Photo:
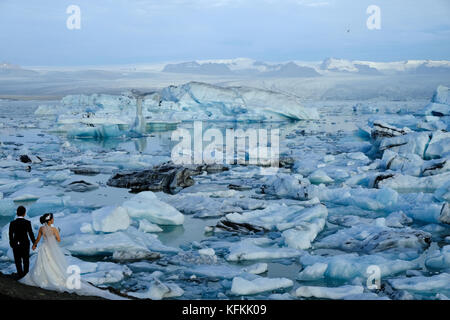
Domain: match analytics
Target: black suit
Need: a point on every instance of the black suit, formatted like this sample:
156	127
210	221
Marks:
19	231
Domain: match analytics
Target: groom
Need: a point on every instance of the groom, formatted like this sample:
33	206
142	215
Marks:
19	231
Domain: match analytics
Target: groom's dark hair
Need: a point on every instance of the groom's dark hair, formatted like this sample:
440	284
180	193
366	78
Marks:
21	211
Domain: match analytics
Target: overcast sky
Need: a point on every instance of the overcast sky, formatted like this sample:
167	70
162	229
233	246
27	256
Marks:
34	32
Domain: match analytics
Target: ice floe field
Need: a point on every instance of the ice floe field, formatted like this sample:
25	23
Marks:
363	187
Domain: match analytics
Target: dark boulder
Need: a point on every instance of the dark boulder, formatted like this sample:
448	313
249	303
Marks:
166	177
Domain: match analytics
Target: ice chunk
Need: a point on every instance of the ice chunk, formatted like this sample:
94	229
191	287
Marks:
440	103
107	273
351	266
241	286
440	259
414	143
7	207
48	204
106	244
146	205
405	183
279	216
110	219
421	283
439	145
34	193
444	216
303	234
313	272
97	132
207	252
328	292
288	186
375	238
257	268
146	226
319	176
251	249
159	291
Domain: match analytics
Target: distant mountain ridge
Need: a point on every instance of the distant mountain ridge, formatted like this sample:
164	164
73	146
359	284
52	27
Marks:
242	67
249	67
14	70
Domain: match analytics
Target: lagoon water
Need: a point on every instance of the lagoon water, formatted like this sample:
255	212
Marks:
336	133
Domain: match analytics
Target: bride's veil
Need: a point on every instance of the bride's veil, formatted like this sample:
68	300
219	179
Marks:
59	260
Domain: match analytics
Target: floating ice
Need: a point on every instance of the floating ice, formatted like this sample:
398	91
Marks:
404	183
159	290
440	259
257	268
146	226
439	145
350	266
191	101
319	176
375	238
440	103
241	286
146	205
421	283
110	219
251	249
328	292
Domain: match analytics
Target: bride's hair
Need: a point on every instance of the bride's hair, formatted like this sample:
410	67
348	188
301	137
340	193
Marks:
46	218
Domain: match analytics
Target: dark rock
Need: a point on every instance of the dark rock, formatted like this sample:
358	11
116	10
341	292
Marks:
437	113
239	227
10	289
238	187
25	159
215	168
81	186
165	177
286	162
85	171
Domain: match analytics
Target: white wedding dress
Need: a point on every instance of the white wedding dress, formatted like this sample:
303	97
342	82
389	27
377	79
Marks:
50	270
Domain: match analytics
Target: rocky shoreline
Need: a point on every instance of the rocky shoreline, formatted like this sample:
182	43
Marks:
10	289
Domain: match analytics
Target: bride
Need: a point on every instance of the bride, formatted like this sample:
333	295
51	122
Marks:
50	270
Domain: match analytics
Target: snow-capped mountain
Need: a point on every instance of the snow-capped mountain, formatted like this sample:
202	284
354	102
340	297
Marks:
370	67
249	67
242	66
14	70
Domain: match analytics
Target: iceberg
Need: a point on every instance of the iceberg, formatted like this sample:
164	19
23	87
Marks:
191	101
